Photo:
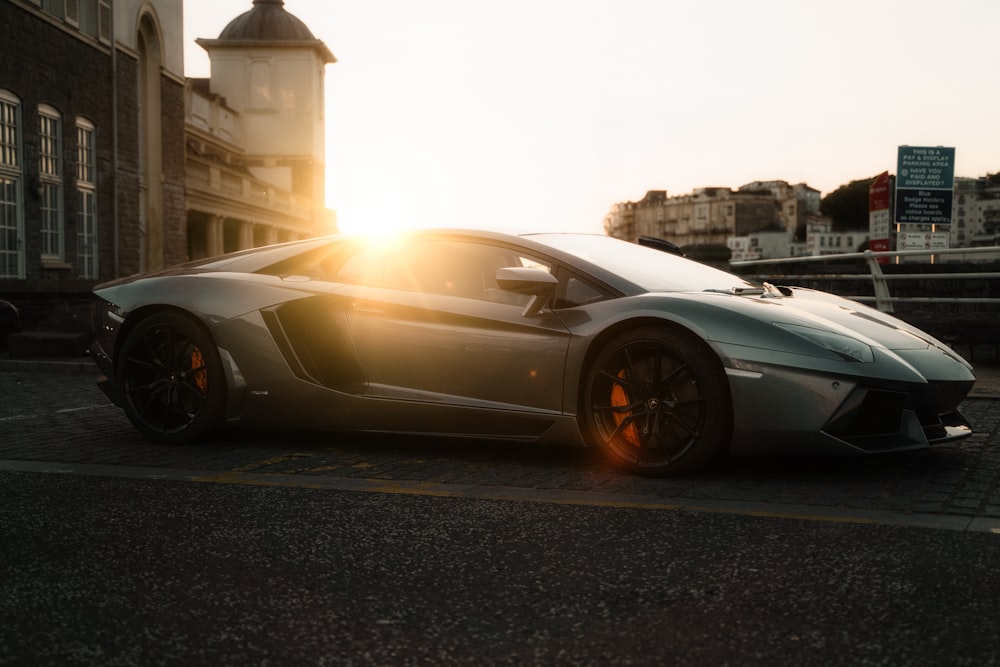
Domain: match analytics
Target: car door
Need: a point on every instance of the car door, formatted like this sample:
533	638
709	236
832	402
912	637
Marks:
430	324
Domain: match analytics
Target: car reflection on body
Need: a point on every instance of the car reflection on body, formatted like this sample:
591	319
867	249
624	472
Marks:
663	364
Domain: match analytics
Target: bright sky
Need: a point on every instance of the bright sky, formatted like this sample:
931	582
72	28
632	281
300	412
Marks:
542	114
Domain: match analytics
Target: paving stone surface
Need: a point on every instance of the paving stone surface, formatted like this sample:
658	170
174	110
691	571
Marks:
57	414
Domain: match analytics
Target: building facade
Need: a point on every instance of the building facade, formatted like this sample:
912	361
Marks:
710	216
975	213
820	239
256	157
113	163
91	141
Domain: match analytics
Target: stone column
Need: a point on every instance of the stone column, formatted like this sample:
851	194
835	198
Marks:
246	235
214	236
271	235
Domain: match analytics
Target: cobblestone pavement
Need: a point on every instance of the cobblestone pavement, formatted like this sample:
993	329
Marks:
49	416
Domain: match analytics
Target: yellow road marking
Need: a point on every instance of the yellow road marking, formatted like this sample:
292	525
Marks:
763	510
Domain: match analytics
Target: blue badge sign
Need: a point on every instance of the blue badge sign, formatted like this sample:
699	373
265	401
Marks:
925	181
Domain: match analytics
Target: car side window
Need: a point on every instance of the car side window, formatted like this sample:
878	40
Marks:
434	267
575	290
455	268
363	267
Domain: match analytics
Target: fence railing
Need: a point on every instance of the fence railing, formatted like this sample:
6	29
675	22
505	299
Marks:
883	297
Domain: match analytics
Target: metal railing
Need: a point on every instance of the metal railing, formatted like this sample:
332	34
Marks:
882	298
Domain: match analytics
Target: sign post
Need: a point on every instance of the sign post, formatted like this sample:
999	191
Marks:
925	187
878	215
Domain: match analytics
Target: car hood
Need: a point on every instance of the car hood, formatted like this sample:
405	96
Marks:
853	318
757	320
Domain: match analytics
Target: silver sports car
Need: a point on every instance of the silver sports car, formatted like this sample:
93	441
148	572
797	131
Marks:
663	364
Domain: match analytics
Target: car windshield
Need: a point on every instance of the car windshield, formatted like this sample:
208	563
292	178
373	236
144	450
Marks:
653	270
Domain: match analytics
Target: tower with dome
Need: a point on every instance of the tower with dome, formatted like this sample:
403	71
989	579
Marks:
256	165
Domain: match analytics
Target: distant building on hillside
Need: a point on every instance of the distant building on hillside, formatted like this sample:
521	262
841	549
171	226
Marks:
822	240
713	215
760	245
975	213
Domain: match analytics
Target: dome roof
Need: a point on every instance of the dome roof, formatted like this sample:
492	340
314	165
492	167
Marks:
267	21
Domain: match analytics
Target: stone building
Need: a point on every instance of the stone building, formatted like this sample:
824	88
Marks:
113	163
255	135
91	142
709	216
975	213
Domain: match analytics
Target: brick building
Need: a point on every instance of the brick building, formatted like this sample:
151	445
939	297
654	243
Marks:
91	142
113	163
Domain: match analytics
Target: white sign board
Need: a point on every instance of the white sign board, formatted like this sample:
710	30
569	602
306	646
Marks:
909	239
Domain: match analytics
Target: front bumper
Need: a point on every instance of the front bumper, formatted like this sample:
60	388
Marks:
781	410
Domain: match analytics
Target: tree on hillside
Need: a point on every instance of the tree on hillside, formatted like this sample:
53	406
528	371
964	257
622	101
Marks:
847	206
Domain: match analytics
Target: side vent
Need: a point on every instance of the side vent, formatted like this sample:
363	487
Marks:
314	338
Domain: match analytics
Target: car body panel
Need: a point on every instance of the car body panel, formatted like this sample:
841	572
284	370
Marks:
425	350
303	347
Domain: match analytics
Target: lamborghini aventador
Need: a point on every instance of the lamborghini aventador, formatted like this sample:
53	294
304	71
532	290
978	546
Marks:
663	364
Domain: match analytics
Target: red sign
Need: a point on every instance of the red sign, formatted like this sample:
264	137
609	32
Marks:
878	193
878	215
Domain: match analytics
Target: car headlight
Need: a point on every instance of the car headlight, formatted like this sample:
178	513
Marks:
850	349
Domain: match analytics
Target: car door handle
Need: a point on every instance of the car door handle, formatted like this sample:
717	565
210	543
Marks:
362	307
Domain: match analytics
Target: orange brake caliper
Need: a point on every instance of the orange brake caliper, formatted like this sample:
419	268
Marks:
201	377
619	399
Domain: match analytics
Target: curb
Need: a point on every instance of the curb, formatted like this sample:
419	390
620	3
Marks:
65	366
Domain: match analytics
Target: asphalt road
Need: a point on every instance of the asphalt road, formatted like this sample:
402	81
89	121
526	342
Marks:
98	570
300	548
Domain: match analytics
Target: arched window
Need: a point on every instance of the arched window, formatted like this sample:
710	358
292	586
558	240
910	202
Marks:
86	199
11	187
50	182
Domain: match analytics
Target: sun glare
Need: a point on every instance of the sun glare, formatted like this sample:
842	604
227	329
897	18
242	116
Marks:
376	215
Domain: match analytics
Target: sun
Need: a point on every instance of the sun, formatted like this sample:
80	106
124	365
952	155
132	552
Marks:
384	214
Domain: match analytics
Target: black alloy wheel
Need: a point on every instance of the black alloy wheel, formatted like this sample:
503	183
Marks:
657	402
171	376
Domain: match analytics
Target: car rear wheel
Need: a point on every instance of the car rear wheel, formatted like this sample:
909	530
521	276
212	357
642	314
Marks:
171	376
657	402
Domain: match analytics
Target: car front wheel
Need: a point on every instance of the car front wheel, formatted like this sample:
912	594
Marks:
171	377
657	402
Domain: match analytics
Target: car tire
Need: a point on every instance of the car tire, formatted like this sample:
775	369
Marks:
170	374
657	402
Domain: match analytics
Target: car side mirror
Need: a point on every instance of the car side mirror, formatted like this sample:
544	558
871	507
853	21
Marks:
540	284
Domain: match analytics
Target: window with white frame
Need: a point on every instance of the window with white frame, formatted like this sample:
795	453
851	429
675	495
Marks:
55	7
73	12
93	15
11	179
86	199
50	181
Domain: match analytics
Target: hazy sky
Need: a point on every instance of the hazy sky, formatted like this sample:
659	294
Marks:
541	114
